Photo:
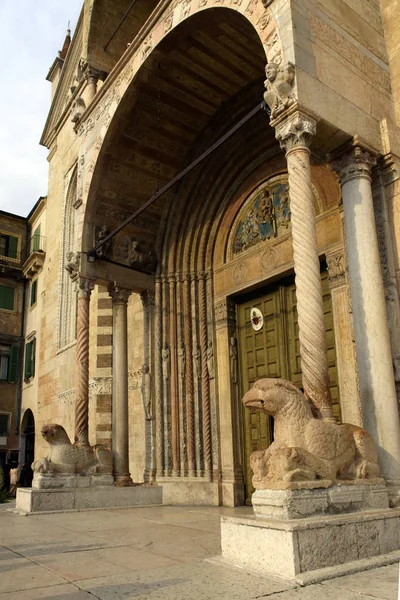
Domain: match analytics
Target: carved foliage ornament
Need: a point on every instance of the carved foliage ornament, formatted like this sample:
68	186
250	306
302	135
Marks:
296	132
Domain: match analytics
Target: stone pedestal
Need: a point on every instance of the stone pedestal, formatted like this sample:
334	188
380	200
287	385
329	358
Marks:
52	482
84	498
311	535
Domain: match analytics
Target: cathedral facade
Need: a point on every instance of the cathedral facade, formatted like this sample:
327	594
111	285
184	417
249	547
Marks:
223	206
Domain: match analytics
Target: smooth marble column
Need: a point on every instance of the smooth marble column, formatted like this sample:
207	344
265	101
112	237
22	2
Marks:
120	416
295	133
373	350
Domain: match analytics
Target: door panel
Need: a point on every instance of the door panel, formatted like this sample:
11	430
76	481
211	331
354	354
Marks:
274	351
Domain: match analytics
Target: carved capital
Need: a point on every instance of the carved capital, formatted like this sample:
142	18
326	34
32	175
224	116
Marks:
85	287
336	268
92	75
118	294
225	312
353	163
389	170
296	131
148	299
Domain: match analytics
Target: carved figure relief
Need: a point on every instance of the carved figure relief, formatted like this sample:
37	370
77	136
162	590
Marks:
267	214
233	359
100	233
142	257
197	361
146	391
182	360
73	263
279	93
210	360
305	449
166	361
77	109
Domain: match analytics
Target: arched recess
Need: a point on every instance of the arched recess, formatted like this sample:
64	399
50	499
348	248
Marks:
66	332
27	444
196	84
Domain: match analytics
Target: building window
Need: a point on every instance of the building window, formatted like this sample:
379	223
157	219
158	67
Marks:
8	245
33	292
6	297
9	356
30	351
4	424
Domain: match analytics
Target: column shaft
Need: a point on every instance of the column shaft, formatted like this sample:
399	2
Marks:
373	350
82	363
294	135
120	416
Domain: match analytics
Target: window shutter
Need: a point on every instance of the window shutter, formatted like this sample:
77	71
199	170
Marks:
12	246
33	357
27	367
33	292
36	239
13	365
6	297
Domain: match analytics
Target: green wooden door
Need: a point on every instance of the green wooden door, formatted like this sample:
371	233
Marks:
274	351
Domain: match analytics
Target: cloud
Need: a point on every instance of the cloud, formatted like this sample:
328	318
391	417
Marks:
31	33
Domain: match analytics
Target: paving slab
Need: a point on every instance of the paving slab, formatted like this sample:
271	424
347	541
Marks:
381	583
59	592
18	574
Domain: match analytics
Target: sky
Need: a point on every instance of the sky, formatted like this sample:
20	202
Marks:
31	34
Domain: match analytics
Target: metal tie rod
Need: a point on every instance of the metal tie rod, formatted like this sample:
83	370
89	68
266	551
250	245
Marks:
120	23
197	161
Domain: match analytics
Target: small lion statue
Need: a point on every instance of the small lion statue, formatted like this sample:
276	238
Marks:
66	458
306	449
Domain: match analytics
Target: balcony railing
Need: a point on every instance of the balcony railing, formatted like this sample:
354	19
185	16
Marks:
33	255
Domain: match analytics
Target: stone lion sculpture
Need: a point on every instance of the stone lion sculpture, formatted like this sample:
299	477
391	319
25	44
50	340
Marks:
306	449
65	458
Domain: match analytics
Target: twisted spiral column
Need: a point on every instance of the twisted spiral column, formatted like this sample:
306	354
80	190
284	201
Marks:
85	287
205	376
295	135
189	383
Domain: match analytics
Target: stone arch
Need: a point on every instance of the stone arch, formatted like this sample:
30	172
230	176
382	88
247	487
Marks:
66	332
96	128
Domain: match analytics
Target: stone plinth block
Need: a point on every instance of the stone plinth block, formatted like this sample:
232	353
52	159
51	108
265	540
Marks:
50	482
302	550
83	498
337	499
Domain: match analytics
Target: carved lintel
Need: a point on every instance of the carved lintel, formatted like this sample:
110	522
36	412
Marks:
85	286
119	295
353	162
296	131
336	268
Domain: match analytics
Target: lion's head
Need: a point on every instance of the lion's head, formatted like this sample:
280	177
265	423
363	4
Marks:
270	395
55	434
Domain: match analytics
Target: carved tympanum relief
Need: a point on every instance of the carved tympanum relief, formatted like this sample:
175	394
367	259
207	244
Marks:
265	214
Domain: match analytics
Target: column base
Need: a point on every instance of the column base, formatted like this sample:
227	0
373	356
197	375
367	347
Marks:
124	480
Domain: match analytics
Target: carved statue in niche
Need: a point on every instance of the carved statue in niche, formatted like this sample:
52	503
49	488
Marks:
306	450
146	391
210	360
182	360
197	361
166	361
233	356
142	259
73	264
279	93
100	233
268	211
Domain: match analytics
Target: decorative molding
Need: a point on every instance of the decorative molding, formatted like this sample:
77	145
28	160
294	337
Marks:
67	397
119	215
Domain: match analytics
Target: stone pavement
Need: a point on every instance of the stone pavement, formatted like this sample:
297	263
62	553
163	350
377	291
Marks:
146	553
